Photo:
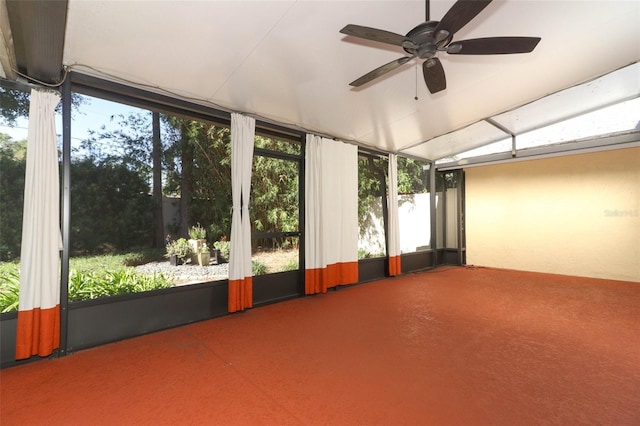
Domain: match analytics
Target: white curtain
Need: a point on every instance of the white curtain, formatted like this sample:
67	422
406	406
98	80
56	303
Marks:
331	214
394	228
38	329
240	275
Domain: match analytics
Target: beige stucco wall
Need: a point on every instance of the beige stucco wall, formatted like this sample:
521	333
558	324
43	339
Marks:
574	215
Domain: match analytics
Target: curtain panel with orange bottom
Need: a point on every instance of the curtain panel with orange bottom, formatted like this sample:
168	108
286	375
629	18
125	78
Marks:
395	266
240	275
331	214
38	326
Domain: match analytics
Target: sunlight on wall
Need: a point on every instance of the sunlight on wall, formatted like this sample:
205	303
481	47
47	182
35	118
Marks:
574	215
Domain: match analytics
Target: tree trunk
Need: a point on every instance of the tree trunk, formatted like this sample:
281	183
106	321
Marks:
186	181
158	219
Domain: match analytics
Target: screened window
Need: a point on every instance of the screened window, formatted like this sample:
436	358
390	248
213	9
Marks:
372	204
150	200
414	205
14	122
275	205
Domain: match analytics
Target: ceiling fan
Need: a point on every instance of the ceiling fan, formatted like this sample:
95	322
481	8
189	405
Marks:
431	37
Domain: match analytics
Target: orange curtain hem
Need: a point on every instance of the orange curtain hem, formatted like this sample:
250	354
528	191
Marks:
38	332
240	294
319	280
395	265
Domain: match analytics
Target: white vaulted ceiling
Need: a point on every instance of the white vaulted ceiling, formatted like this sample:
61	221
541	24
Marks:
287	62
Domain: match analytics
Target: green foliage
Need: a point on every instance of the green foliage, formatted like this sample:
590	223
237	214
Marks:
412	176
258	268
278	145
363	254
93	285
130	146
180	248
197	232
110	208
15	104
209	176
85	282
224	246
274	197
9	286
292	265
12	171
143	256
372	175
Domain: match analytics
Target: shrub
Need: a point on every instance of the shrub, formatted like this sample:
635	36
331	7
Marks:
84	282
292	265
9	289
180	248
91	285
258	268
224	247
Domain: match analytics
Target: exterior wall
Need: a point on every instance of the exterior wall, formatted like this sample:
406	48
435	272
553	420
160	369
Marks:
574	215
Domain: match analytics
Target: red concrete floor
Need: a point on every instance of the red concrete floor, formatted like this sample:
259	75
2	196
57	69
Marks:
452	346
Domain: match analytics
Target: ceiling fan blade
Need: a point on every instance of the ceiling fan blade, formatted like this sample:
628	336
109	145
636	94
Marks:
493	45
374	34
458	16
380	71
434	75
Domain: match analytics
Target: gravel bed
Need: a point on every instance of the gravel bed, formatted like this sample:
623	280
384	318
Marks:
186	274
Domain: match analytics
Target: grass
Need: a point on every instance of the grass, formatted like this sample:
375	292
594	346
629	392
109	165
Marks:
91	277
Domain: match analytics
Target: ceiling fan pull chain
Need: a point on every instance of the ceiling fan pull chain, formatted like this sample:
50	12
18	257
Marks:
416	97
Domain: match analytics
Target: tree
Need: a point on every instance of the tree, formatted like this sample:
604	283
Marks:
198	166
12	171
274	194
158	217
14	104
111	209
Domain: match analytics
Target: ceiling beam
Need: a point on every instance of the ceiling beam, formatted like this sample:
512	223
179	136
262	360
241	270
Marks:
38	29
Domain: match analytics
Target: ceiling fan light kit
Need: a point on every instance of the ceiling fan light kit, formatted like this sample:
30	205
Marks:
430	37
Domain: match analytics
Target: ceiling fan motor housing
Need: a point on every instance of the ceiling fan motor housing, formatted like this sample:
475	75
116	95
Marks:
423	43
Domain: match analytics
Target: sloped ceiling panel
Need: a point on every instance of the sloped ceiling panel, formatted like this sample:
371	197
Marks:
473	136
285	61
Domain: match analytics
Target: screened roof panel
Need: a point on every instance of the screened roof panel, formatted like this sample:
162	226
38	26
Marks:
610	89
619	118
552	119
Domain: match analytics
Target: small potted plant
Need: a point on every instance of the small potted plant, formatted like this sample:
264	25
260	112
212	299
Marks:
197	237
223	249
178	251
204	255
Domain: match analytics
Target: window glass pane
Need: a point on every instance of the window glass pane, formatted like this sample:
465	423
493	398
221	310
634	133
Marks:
14	119
372	176
266	259
274	195
197	201
414	205
288	146
451	181
274	211
135	198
